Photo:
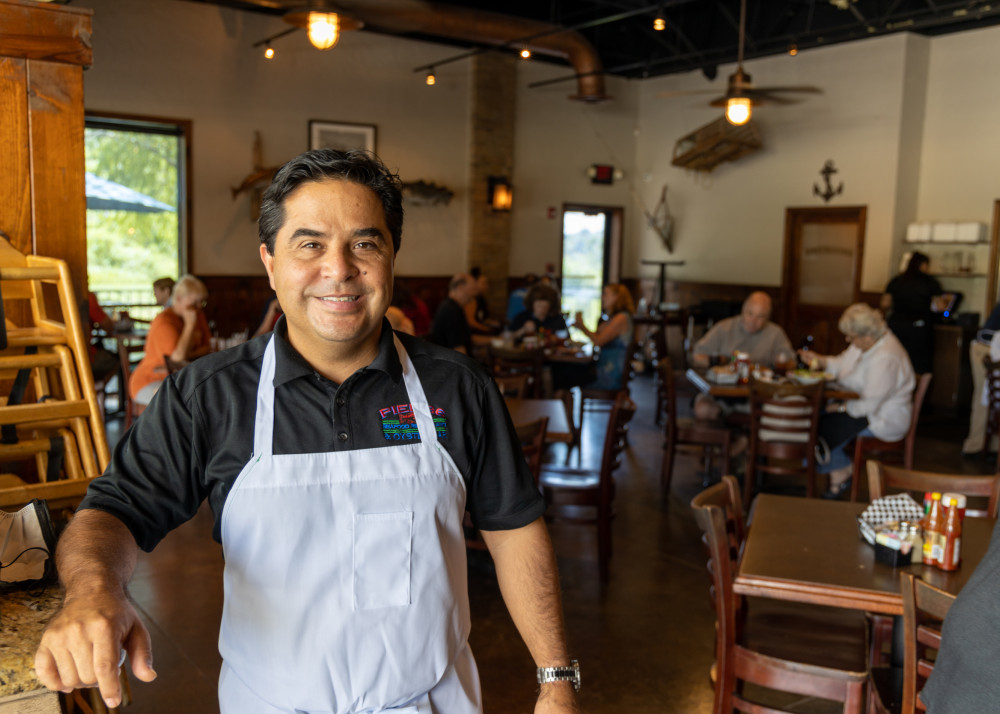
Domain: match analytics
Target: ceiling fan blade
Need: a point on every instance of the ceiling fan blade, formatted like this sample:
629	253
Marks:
797	88
687	93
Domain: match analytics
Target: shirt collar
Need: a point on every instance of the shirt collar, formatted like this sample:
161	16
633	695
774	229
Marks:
289	364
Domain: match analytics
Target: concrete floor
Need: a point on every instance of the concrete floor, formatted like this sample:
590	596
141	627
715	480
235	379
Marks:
644	640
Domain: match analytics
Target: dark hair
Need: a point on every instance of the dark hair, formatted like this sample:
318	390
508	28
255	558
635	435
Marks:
541	291
357	166
163	284
917	261
475	273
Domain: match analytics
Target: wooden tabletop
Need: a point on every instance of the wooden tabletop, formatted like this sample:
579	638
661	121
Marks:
524	411
810	550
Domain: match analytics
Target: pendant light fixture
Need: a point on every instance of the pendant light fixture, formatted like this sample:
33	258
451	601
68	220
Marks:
323	23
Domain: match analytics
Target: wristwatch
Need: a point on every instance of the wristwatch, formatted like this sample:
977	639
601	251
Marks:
560	674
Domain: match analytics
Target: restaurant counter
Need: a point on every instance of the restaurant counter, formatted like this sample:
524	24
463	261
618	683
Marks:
23	617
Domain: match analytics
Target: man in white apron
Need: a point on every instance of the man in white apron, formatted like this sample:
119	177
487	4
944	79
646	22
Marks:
339	459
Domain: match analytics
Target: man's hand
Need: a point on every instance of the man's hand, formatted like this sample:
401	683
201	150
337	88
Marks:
557	698
83	644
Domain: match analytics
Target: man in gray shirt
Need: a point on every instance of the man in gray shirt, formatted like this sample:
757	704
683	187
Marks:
751	332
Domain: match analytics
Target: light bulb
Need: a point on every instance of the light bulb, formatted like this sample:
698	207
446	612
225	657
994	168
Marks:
738	111
659	24
324	29
431	79
269	52
525	53
793	49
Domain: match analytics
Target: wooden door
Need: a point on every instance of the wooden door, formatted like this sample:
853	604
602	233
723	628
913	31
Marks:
822	272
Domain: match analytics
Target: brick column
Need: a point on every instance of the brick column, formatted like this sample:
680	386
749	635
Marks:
494	92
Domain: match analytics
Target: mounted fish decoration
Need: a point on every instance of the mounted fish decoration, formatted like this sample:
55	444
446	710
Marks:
421	193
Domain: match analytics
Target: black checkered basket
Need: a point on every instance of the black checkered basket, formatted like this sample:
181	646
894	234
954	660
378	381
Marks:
894	508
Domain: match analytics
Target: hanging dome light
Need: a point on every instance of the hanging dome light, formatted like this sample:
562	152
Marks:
324	29
323	24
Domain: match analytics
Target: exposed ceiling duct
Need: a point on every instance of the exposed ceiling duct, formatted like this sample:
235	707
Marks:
486	29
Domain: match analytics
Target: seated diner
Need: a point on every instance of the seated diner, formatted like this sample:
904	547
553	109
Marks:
613	336
752	332
180	332
541	313
877	367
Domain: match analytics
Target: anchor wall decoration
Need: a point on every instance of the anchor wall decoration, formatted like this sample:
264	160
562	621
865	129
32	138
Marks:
827	171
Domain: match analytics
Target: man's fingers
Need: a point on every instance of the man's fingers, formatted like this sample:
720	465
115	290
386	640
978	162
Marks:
140	652
106	669
47	670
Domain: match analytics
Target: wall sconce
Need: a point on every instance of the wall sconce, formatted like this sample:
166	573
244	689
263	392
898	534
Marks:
500	196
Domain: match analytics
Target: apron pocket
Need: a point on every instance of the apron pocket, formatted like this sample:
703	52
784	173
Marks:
382	559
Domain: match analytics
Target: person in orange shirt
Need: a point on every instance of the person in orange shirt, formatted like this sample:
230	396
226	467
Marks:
180	332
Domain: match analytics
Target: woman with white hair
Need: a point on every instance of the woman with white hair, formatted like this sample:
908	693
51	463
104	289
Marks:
877	367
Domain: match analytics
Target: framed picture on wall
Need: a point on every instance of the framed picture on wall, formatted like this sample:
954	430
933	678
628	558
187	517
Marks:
340	135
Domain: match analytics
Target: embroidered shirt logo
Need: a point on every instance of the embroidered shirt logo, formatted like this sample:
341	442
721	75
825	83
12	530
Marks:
400	424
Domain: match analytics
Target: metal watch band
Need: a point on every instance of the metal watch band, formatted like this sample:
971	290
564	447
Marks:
560	674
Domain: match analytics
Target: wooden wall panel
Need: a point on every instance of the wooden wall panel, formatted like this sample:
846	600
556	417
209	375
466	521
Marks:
58	186
34	31
15	195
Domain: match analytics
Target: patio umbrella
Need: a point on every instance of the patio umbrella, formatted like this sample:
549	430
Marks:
105	195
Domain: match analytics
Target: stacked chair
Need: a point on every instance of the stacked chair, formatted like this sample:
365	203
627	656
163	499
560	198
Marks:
49	412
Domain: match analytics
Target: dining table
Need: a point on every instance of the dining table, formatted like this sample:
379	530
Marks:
831	390
810	550
525	411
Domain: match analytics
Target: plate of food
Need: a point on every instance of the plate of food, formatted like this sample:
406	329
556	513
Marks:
808	376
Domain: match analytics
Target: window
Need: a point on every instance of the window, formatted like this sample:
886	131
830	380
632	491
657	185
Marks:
136	208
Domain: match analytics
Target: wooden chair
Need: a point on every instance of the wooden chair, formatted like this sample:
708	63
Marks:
791	647
992	404
924	610
514	385
882	477
784	419
603	399
532	438
586	496
866	447
508	362
129	353
30	285
709	435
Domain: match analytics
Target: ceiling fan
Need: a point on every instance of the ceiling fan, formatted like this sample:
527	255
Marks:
741	94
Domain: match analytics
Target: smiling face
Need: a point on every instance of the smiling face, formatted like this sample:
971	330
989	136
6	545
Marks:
332	272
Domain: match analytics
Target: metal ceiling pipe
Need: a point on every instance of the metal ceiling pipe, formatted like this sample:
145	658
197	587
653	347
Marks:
486	28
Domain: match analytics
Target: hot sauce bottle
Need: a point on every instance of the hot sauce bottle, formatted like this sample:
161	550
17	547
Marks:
933	525
951	533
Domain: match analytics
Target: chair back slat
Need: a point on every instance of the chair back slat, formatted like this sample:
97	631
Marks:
882	478
924	610
532	438
784	422
507	362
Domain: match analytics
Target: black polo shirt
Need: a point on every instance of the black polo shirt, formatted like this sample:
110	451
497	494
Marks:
197	433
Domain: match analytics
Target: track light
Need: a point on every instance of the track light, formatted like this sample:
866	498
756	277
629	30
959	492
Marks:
525	53
268	52
793	49
659	24
431	79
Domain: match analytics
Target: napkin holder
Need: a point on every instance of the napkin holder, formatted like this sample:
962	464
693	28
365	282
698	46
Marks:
897	507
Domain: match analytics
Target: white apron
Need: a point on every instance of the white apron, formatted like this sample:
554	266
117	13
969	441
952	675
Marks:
345	577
